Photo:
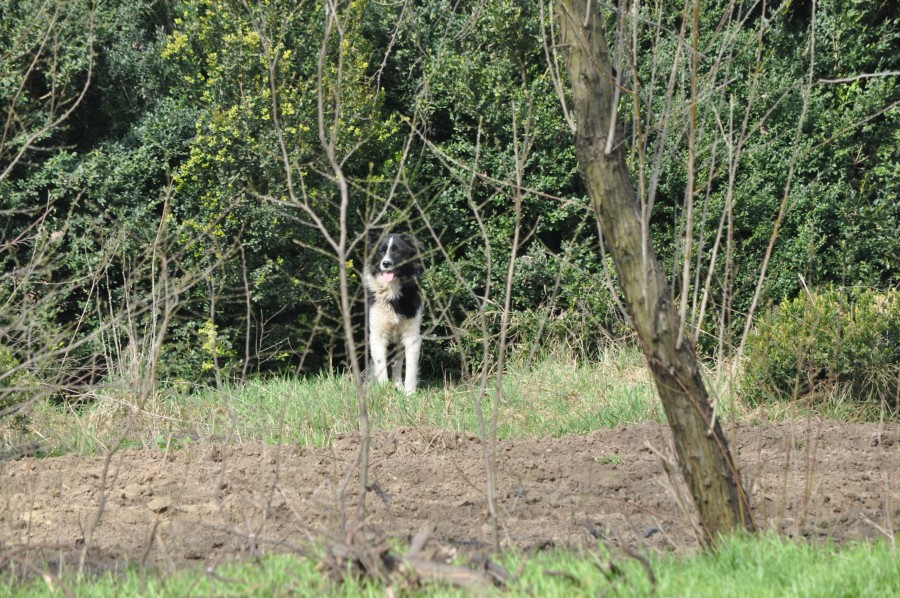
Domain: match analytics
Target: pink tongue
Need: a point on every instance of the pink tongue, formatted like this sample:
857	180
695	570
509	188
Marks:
388	276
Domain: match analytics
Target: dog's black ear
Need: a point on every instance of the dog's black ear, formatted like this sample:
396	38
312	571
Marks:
411	240
418	262
374	234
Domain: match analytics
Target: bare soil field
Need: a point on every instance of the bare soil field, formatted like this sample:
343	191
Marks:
208	503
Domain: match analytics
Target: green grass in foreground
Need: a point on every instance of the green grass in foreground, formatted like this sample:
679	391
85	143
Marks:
551	398
758	567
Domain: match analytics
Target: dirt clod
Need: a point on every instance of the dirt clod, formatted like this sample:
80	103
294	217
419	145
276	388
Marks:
160	504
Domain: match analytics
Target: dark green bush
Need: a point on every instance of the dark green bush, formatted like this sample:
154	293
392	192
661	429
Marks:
817	342
559	300
12	377
18	389
177	128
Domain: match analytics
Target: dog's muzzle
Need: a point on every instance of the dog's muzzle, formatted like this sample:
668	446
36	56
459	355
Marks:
387	272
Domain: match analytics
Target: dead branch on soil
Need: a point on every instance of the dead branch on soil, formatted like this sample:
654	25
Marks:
16	555
366	556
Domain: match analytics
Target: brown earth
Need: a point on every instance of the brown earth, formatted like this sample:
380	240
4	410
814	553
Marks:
212	502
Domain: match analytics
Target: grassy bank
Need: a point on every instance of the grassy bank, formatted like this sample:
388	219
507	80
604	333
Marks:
550	398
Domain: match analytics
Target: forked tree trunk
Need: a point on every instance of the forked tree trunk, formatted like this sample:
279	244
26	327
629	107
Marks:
701	447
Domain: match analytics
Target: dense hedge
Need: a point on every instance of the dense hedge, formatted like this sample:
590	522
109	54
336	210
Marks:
820	342
170	173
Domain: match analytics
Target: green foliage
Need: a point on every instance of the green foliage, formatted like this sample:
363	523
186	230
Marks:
838	169
14	383
827	339
41	82
482	89
257	155
559	300
174	149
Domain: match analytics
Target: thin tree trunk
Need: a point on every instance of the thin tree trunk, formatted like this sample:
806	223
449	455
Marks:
701	446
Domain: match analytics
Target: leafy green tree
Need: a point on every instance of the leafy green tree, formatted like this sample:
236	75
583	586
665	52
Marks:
830	159
81	194
256	187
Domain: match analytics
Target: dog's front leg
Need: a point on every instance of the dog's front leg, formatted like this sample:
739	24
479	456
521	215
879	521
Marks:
412	345
397	368
379	358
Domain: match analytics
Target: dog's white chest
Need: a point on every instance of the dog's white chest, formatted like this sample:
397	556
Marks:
383	292
383	319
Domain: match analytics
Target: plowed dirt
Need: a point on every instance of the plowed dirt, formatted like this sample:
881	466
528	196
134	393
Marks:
214	502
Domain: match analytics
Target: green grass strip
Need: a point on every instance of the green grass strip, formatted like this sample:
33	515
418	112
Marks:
746	566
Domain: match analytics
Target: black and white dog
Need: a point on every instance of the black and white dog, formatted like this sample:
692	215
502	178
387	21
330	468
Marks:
395	307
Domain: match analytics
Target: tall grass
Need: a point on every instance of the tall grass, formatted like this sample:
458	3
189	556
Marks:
552	397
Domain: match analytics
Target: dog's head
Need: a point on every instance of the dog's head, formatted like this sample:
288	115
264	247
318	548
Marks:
396	255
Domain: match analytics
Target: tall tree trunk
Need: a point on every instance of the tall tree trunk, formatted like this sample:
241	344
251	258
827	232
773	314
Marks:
701	446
